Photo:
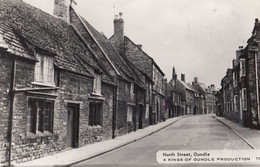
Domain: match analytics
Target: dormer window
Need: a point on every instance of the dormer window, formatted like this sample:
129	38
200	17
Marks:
97	84
44	69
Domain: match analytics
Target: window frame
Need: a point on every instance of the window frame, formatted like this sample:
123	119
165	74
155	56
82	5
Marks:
242	67
244	98
130	114
36	120
95	118
97	84
44	69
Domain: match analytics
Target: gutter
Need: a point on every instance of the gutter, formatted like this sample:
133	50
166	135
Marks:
11	94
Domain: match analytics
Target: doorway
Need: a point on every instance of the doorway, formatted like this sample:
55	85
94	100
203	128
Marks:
72	126
141	111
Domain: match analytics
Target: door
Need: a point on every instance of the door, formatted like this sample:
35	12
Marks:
141	111
72	126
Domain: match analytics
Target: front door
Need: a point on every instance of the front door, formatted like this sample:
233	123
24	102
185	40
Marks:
72	126
141	111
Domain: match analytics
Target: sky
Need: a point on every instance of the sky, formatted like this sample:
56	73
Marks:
199	38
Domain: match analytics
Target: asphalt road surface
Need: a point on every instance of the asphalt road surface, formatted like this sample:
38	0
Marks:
192	133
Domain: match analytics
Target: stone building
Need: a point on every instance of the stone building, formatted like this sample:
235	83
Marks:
52	98
154	77
174	97
188	93
130	82
199	99
244	103
227	88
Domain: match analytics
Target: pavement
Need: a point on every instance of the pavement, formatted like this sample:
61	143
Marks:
68	158
90	151
250	136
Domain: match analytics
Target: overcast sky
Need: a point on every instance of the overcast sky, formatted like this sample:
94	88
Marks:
198	37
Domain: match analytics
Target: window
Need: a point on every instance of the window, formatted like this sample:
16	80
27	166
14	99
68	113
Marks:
147	111
130	111
242	67
132	90
40	115
244	99
44	69
236	104
97	84
234	78
95	114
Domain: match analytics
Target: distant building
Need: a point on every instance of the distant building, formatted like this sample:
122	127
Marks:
188	93
175	102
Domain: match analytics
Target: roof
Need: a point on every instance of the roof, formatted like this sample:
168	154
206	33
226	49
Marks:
12	43
144	53
194	88
187	86
169	85
42	31
125	68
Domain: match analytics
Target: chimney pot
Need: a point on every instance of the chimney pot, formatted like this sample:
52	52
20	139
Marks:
121	15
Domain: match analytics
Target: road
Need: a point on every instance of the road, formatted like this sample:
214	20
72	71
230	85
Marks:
192	133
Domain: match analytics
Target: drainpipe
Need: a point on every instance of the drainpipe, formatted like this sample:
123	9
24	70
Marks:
257	91
135	108
11	94
114	112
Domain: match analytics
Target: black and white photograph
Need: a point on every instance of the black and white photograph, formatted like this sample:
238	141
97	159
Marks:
129	83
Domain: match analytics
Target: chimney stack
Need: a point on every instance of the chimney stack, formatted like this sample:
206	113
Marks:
196	80
119	33
61	9
183	77
174	77
239	52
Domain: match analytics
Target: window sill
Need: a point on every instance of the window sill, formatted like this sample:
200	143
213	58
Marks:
30	135
95	127
43	84
96	94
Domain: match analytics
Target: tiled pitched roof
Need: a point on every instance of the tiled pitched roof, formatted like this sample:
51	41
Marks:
125	68
186	86
170	87
109	51
143	53
48	33
12	43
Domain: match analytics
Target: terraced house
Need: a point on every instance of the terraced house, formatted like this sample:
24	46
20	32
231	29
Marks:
63	85
240	87
154	77
130	82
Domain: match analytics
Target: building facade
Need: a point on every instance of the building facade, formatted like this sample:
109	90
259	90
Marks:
154	77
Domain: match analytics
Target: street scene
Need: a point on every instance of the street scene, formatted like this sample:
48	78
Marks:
190	133
129	83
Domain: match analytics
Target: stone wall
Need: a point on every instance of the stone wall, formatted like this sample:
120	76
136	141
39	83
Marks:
5	78
124	99
73	89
